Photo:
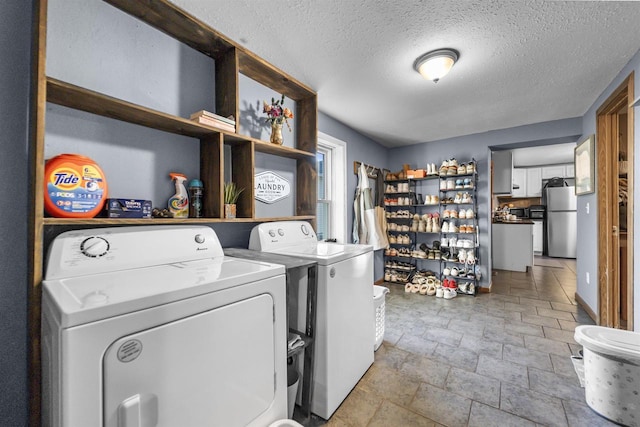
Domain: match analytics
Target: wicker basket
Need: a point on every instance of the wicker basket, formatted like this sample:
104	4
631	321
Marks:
379	293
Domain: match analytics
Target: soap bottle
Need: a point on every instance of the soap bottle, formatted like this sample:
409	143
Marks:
179	202
195	198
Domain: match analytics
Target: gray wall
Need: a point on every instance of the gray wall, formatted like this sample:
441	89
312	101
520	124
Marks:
361	149
478	146
15	48
588	222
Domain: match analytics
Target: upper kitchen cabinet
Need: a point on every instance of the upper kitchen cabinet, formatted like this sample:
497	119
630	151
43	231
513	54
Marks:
534	182
561	171
527	182
502	172
519	183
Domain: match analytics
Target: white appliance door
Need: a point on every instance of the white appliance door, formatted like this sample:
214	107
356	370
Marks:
345	330
196	371
562	234
561	199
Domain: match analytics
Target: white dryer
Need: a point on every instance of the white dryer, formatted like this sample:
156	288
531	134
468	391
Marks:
154	326
344	308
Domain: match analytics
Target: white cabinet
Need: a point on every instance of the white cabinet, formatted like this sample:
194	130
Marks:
562	171
519	183
534	182
512	246
502	172
528	182
538	233
549	172
569	171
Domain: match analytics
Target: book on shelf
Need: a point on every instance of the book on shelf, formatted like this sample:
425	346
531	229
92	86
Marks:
215	123
208	114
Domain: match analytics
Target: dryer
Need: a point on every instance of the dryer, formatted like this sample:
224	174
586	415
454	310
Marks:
344	307
154	326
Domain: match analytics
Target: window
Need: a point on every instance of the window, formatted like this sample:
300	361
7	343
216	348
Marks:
331	210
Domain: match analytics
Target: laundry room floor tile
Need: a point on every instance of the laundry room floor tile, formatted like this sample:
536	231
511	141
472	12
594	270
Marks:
497	359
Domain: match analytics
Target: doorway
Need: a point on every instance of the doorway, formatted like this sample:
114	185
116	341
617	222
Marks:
614	139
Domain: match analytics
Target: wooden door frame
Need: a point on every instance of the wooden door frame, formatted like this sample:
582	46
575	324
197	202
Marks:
608	240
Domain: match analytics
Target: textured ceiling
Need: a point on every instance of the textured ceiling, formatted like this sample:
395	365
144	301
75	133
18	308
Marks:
521	62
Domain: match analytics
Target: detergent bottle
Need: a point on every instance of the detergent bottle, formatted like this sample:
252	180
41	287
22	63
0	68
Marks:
179	202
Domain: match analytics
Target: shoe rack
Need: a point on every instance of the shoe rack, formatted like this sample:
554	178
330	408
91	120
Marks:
433	228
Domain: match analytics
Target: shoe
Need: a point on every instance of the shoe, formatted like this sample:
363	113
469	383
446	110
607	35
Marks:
448	293
439	292
451	184
446	271
444	242
423	289
443	185
454	271
431	289
419	200
407	287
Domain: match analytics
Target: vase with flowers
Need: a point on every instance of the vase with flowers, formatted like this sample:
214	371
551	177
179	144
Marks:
277	114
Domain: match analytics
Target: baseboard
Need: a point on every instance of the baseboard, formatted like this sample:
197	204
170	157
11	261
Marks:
379	281
486	290
586	308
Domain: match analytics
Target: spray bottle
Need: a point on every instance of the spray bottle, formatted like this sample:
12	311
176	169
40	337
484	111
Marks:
179	202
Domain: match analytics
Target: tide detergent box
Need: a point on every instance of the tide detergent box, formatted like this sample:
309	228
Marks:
128	208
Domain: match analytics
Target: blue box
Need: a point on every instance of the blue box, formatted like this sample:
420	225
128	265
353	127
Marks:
127	208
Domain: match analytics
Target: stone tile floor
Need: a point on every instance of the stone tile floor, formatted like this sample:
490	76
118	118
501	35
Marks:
497	359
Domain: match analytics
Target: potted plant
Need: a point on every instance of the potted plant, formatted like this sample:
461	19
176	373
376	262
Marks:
231	194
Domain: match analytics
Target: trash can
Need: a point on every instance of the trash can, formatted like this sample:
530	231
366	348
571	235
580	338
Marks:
379	293
293	378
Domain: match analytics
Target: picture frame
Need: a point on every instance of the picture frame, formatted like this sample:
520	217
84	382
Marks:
584	163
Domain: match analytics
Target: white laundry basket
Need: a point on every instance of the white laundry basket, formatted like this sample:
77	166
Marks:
379	293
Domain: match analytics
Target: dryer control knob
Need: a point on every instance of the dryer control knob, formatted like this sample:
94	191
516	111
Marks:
281	231
272	233
199	238
94	247
304	229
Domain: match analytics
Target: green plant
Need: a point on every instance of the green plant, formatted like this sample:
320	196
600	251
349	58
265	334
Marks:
231	193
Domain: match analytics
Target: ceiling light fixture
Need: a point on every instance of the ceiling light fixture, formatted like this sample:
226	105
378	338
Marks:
436	64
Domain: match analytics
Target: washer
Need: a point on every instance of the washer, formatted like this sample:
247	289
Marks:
154	326
344	322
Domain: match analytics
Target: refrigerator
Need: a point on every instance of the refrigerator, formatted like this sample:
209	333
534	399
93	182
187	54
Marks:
562	222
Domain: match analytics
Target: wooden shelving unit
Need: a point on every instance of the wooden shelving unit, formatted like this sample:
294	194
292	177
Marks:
231	60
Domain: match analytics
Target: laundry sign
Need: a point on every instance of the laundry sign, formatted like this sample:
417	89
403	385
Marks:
270	187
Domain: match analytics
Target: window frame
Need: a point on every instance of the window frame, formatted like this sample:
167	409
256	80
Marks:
335	152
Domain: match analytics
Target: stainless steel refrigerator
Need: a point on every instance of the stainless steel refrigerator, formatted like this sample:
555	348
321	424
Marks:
562	222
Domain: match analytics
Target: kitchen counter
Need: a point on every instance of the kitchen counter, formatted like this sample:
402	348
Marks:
512	245
524	221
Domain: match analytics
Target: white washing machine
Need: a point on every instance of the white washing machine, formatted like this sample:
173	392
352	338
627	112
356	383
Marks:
344	315
154	326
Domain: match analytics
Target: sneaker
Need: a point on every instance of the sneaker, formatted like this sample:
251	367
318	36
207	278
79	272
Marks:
439	292
449	293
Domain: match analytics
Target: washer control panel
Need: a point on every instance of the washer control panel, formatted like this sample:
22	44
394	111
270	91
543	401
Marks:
103	250
271	235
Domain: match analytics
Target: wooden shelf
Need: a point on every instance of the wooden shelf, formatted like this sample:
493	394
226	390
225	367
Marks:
72	96
279	150
161	221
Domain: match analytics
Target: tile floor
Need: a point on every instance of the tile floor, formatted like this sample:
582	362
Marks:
499	359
